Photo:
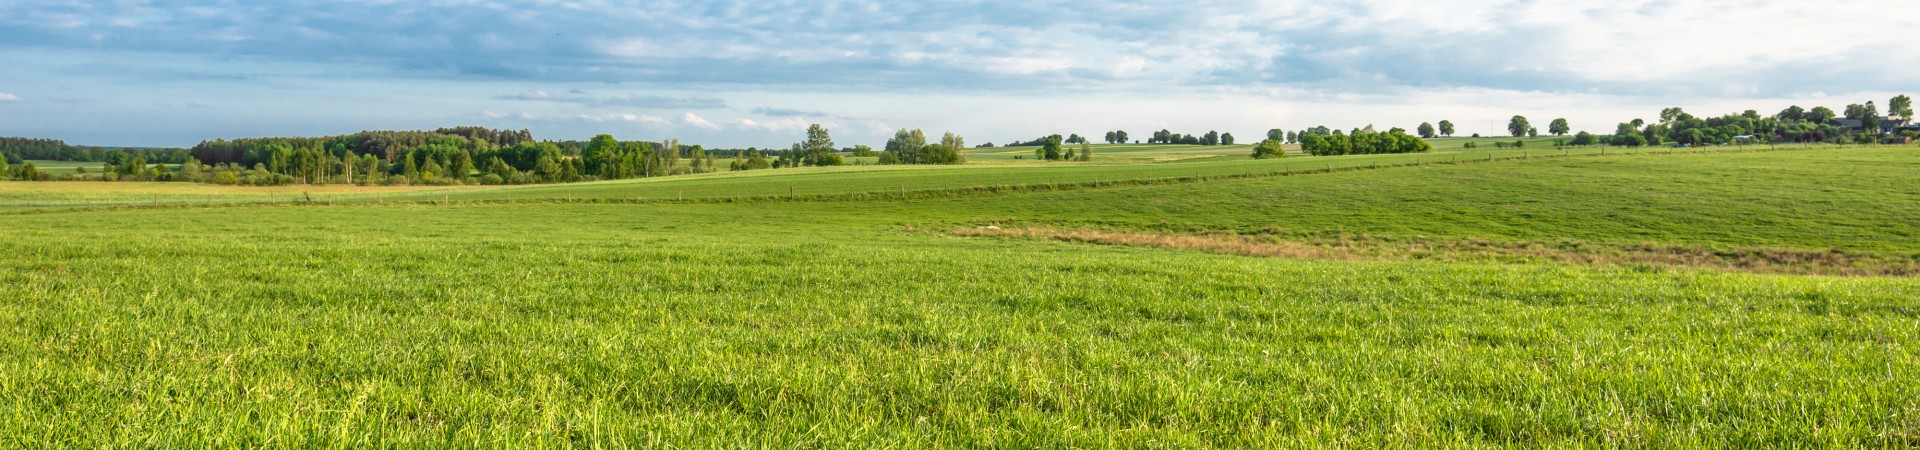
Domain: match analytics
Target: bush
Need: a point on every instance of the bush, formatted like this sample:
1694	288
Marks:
1269	149
491	179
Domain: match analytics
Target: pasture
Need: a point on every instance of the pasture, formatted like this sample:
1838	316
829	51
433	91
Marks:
1462	298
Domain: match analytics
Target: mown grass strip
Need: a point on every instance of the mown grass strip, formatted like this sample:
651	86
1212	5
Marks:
1752	260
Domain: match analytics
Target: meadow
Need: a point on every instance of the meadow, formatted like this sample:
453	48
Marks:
1730	297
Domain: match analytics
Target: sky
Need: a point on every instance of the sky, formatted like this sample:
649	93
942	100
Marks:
727	73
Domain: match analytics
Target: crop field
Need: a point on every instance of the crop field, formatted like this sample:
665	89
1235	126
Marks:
1520	298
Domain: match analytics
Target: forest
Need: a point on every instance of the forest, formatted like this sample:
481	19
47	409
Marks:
479	155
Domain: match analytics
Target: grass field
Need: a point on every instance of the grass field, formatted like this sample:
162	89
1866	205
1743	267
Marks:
1645	299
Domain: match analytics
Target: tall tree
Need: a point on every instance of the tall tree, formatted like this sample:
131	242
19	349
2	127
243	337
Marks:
1820	115
1446	128
1559	127
906	144
1276	134
1856	111
1902	107
1120	136
818	147
462	166
1792	114
598	152
1518	126
1050	150
1425	129
1226	138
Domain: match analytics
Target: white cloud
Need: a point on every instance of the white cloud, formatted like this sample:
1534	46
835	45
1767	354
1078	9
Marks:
5	97
785	124
698	121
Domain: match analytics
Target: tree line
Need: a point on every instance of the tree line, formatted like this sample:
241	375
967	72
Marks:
18	149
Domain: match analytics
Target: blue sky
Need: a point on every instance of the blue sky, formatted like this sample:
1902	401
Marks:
740	73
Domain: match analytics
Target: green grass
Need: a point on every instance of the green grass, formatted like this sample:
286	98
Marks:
849	322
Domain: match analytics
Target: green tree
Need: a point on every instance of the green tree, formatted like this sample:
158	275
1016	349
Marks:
1425	129
1446	128
1086	152
1820	115
1271	148
906	145
547	169
599	152
949	150
409	168
1584	138
1792	114
817	150
462	166
1559	127
1120	136
1518	126
1226	138
1050	149
1276	134
1902	107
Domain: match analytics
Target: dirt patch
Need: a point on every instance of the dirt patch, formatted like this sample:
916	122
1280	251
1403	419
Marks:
1758	260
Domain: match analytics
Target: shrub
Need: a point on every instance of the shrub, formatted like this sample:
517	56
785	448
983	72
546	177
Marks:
491	179
1269	149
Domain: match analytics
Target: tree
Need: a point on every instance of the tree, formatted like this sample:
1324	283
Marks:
1211	138
1051	149
1820	115
817	150
1446	128
1075	139
1086	152
1276	134
1584	138
1109	139
1425	129
1792	114
1271	148
598	152
462	166
1902	107
1533	132
1856	111
905	145
1120	136
1559	127
1518	126
1670	115
1226	138
948	152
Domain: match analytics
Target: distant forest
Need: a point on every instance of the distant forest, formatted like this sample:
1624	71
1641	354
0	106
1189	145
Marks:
478	155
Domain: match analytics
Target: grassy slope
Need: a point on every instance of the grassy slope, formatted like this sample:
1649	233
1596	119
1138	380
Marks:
832	324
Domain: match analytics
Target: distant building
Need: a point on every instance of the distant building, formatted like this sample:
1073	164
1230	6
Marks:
1886	125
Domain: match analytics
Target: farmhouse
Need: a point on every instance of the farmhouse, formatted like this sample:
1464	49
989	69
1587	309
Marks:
1886	125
